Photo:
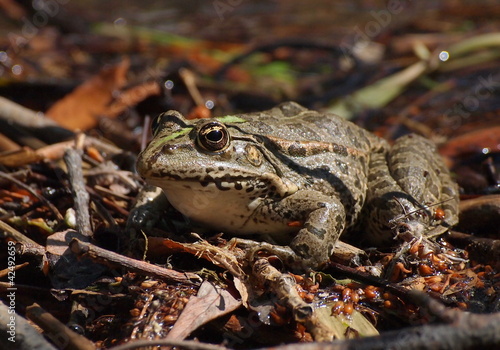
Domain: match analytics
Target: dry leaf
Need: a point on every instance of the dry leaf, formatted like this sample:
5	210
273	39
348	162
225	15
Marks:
80	109
241	287
338	324
133	96
57	243
211	302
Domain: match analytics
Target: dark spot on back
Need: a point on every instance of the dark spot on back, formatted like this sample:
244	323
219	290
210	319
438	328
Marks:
296	149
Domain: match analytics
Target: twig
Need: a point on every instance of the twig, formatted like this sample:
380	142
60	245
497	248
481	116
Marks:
102	255
73	162
284	286
28	291
20	174
30	190
190	81
8	231
30	249
7	144
379	282
26	337
466	332
15	113
481	249
57	331
6	271
482	333
187	344
22	135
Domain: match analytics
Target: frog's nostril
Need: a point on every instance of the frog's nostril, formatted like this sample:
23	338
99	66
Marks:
168	149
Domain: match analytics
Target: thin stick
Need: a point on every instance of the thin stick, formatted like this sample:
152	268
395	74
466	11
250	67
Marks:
57	331
284	285
25	335
8	231
187	344
30	190
15	113
6	271
102	255
377	281
80	195
190	81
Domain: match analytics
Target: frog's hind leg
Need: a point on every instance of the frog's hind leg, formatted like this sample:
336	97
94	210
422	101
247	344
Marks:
420	171
402	182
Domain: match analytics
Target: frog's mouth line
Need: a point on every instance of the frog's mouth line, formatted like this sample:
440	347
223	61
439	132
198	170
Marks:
224	183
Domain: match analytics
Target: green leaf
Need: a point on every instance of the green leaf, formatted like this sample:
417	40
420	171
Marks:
338	324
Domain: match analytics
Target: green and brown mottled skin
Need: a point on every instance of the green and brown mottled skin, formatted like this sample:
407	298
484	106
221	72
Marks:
297	176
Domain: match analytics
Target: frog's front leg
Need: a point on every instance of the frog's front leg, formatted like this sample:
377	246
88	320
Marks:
323	219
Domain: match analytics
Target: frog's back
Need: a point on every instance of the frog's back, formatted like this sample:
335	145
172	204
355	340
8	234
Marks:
320	151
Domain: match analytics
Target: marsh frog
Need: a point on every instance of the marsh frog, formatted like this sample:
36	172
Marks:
296	176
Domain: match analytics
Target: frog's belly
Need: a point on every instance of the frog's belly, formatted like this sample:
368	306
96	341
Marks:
229	211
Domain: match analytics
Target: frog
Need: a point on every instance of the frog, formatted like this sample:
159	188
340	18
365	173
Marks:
299	178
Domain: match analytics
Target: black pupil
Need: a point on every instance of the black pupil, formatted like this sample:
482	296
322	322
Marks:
214	135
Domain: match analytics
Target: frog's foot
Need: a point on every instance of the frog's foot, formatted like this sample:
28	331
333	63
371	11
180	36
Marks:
143	218
413	230
150	204
254	251
343	253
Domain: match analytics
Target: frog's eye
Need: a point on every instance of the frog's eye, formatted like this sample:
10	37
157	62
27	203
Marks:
213	137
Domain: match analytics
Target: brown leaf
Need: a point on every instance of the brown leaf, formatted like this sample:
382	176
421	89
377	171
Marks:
199	112
211	302
57	243
81	108
12	9
133	96
472	142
